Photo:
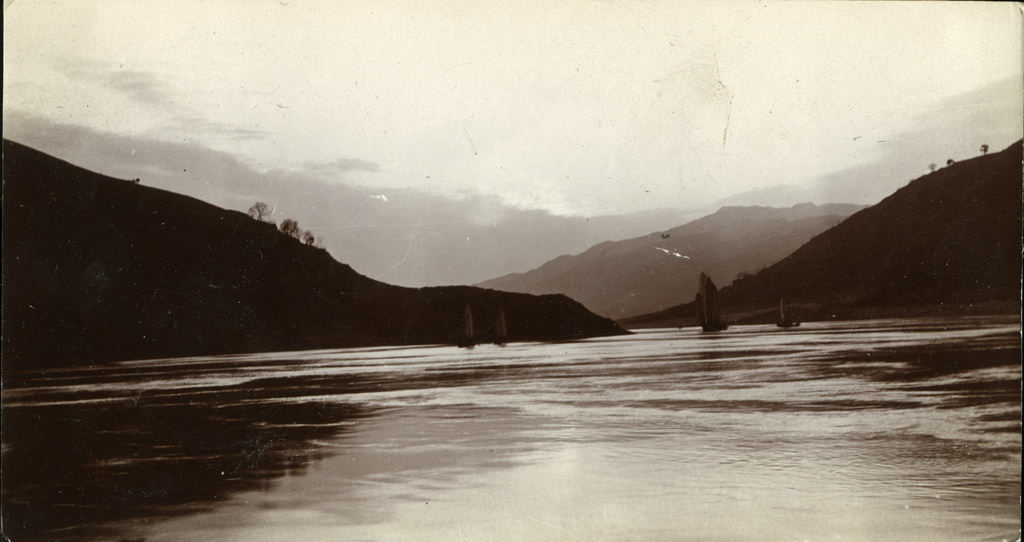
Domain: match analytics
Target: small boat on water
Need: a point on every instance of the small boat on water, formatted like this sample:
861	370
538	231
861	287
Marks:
786	318
468	338
708	311
502	327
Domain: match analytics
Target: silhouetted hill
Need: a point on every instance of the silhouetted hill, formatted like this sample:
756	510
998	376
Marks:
950	239
97	268
634	276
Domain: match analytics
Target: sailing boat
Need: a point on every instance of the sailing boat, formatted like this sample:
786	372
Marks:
502	330
708	311
786	316
467	339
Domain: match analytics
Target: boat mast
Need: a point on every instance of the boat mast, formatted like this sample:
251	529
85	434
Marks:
702	300
469	323
502	326
714	313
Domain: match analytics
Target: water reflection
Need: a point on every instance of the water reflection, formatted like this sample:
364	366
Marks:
75	464
856	430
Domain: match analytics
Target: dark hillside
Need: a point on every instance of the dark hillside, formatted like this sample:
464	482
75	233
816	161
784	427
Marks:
952	237
99	269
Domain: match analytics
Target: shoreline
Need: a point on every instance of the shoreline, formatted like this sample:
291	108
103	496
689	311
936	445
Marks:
811	312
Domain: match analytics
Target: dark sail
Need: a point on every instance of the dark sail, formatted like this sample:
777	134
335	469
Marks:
708	311
468	337
786	318
502	326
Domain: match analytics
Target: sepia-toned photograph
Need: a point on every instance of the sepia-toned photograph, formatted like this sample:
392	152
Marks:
573	270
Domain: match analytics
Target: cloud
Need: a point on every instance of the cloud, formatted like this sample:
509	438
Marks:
955	128
185	167
339	166
141	86
156	97
782	195
214	130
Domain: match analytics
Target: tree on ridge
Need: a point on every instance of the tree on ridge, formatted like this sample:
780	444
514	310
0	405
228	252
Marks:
259	211
290	227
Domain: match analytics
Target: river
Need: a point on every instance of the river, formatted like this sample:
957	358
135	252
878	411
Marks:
861	430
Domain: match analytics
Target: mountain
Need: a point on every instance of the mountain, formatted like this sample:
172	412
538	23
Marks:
645	274
98	269
950	240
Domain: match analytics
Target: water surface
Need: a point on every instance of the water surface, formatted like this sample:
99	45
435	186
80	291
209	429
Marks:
869	430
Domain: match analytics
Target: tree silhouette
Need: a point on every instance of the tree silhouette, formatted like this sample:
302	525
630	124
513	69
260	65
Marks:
984	148
308	237
949	162
932	167
290	227
259	211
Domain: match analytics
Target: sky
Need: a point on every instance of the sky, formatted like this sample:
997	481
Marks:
570	108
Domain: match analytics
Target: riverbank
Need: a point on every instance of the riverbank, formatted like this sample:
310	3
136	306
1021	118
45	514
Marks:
811	312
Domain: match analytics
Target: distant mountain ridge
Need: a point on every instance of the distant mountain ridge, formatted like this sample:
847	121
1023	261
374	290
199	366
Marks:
949	238
645	274
98	269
